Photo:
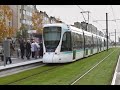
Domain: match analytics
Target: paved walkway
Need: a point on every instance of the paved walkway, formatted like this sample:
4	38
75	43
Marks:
18	61
116	77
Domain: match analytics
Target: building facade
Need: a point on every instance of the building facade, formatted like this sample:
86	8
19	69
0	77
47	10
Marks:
14	22
53	19
25	16
45	17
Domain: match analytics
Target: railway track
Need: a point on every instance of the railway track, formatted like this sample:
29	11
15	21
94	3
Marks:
77	79
52	67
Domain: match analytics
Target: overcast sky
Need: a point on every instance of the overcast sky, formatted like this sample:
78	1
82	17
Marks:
71	13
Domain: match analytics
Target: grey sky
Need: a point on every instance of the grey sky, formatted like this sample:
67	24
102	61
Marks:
71	13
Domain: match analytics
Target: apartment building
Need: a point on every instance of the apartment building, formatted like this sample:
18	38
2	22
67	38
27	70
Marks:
45	17
14	22
25	16
53	19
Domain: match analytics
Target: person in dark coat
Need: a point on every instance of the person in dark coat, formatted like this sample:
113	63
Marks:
22	49
28	49
41	50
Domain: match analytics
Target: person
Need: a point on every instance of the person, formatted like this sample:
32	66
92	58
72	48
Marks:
41	50
28	49
36	49
32	48
9	53
12	49
18	52
22	49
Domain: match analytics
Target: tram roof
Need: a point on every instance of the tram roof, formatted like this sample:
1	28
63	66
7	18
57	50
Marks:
57	24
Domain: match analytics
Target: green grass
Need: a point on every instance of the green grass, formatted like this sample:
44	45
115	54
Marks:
67	73
103	74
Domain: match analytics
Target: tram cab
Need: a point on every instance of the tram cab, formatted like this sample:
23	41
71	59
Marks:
54	36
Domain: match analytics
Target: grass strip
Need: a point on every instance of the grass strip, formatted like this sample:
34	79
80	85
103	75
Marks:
103	73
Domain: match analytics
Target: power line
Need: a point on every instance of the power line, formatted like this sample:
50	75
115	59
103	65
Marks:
114	15
89	15
82	13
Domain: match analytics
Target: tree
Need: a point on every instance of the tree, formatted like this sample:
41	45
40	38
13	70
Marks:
18	34
37	20
5	16
23	32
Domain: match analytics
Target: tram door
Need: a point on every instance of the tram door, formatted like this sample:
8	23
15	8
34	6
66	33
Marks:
74	54
92	42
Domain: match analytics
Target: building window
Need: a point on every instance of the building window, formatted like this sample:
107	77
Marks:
31	6
20	10
24	11
23	21
28	13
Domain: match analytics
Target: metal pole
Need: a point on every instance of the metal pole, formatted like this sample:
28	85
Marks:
107	29
115	37
109	35
88	19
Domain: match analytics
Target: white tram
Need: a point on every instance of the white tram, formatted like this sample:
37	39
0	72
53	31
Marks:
64	43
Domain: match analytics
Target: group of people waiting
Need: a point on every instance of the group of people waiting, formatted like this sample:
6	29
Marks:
31	48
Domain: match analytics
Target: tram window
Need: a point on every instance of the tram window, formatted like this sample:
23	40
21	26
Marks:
98	42
66	42
74	41
81	41
77	41
95	42
88	41
92	42
104	43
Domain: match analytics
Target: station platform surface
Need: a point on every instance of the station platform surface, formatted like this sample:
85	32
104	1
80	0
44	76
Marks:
18	62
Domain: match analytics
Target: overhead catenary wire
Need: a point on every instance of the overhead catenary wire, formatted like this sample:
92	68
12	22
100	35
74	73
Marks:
82	13
85	13
114	16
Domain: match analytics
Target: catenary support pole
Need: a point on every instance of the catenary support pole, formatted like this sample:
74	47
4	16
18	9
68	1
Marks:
107	29
115	37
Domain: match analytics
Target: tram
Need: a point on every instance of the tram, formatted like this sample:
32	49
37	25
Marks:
64	43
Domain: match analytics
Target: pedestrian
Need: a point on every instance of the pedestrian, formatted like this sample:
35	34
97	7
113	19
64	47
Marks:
28	49
32	48
41	50
22	49
12	49
18	52
9	53
36	49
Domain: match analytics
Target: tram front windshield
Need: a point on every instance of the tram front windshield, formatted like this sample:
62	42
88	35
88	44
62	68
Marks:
51	37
